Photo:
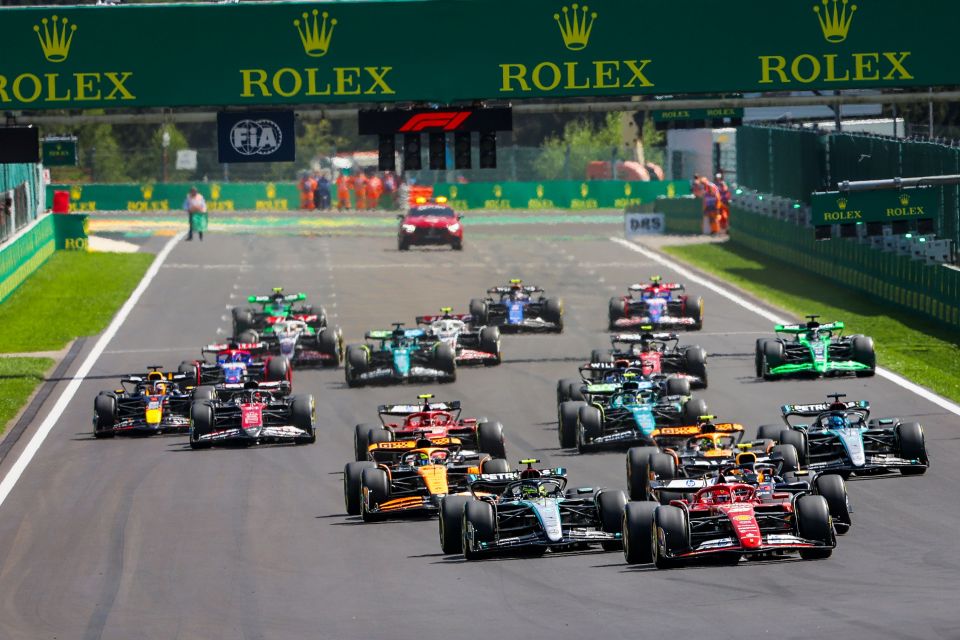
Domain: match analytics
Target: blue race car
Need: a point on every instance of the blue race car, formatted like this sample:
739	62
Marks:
399	355
844	439
515	309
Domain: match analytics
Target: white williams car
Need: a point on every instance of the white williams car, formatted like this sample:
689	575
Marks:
472	345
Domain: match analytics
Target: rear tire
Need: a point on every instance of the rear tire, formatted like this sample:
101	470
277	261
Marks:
616	309
490	342
638	532
611	504
638	472
351	485
678	386
494	465
553	312
490	439
248	337
451	517
693	409
834	491
567	423
799	441
695	360
813	523
769	432
328	343
790	457
242	320
445	359
478	312
695	311
758	361
912	447
278	369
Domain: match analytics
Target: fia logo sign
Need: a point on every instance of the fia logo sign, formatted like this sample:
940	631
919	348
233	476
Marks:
256	137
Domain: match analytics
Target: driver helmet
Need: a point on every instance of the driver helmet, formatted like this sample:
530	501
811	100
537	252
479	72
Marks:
533	491
439	457
258	397
700	444
836	422
236	357
157	388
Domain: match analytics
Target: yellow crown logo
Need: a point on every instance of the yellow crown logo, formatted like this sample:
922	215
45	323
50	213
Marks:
497	191
842	203
584	190
147	191
271	190
540	191
835	24
453	191
627	189
214	191
76	192
904	199
55	40
316	36
575	28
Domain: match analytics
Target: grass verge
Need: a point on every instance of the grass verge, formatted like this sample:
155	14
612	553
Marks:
18	378
73	294
923	351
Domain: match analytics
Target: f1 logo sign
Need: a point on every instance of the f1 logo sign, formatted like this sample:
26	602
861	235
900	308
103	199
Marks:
442	120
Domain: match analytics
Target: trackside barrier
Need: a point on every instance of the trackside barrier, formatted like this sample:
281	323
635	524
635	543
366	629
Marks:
683	215
31	247
932	290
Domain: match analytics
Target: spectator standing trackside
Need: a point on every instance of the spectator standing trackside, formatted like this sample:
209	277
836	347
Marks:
711	206
321	197
725	197
343	191
196	208
374	191
307	186
360	189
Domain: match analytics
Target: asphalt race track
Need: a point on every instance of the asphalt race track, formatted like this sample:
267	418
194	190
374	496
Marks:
135	538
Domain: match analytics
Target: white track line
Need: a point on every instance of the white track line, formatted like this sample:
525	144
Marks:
772	317
44	429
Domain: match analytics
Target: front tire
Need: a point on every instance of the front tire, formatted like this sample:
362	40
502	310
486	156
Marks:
479	517
590	426
912	447
357	363
201	423
105	415
451	516
303	415
638	472
671	523
813	523
351	485
610	504
375	484
834	491
638	532
567	419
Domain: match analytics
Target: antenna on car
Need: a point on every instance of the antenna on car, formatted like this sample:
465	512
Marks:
530	462
836	396
812	322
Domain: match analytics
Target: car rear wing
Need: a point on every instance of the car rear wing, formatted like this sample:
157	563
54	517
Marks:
232	346
814	410
386	334
525	289
230	389
170	376
803	328
635	338
290	297
465	317
663	286
692	430
392	451
407	409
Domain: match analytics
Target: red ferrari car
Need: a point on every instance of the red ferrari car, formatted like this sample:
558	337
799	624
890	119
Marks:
430	222
430	420
726	521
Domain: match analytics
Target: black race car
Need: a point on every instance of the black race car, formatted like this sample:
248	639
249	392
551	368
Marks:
515	309
656	353
275	307
154	402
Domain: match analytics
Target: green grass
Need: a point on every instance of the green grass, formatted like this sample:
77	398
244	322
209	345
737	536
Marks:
18	378
923	351
73	294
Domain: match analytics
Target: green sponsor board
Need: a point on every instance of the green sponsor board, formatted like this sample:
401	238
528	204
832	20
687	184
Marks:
558	194
696	114
890	205
59	152
259	196
260	53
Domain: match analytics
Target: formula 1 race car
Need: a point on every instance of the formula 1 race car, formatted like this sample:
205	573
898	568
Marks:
302	344
429	420
154	402
472	345
657	305
515	309
633	412
411	476
399	355
253	414
235	363
696	450
724	522
814	350
430	223
844	439
275	307
657	353
771	477
532	511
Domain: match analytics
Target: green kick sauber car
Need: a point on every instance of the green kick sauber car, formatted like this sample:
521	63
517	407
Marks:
814	349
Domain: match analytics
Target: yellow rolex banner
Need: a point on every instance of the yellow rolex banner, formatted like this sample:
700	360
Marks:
262	53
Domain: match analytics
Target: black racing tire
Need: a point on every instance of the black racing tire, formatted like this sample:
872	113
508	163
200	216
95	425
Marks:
758	361
695	311
693	409
329	343
361	439
449	523
303	415
663	466
567	424
553	312
202	422
104	414
564	386
616	309
672	522
773	355
590	426
638	532
242	320
357	361
445	359
678	386
490	439
494	465
610	504
799	441
402	245
478	312
206	392
638	472
490	342
813	523
478	515
321	321
457	245
862	351
601	356
790	459
695	362
834	490
769	432
278	369
191	370
912	446
351	485
377	486
248	336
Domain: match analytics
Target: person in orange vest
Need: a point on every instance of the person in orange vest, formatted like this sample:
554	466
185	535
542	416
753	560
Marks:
360	188
696	186
711	206
343	190
307	187
725	197
374	191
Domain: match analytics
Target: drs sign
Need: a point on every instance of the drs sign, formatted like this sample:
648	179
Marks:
256	136
643	224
